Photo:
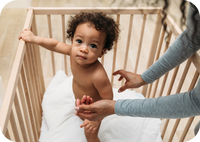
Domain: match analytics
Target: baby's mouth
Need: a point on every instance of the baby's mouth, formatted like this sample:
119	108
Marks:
82	57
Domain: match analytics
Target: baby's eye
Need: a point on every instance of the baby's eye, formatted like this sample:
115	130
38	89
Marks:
93	46
78	41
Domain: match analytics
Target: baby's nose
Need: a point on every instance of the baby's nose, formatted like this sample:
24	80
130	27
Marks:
84	49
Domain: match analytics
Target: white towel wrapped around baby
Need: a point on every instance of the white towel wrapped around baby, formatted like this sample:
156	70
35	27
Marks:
62	125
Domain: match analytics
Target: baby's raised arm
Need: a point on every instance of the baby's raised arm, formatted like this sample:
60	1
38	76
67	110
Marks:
48	43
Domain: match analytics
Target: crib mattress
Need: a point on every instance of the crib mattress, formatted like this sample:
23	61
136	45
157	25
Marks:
59	122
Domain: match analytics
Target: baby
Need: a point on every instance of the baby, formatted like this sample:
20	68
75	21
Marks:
91	35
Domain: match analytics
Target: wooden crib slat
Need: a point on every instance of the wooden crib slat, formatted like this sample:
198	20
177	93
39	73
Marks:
31	87
37	57
64	41
50	36
7	135
172	80
115	52
157	56
32	71
178	91
166	75
196	61
173	26
29	128
36	76
128	43
154	44
14	127
189	122
20	118
140	42
29	103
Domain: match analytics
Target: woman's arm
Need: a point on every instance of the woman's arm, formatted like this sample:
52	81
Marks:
174	106
182	48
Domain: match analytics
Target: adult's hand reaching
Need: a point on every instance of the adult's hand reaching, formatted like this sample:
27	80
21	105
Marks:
97	110
132	80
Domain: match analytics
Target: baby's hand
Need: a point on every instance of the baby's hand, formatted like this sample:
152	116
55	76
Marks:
27	36
90	126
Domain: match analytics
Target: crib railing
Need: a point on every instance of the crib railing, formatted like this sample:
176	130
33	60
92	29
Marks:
21	112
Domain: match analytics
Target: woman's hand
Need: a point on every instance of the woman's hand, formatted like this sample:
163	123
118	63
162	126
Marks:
132	80
97	110
27	36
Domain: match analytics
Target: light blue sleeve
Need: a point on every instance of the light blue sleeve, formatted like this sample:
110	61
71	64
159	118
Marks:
174	106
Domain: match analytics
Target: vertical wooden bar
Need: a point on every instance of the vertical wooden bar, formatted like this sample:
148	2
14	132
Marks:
29	104
14	127
50	35
157	56
29	128
128	43
183	135
7	135
166	75
20	118
172	81
140	42
153	47
115	52
32	90
37	57
177	91
32	75
64	41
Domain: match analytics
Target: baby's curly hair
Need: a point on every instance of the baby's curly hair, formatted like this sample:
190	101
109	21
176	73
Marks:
101	22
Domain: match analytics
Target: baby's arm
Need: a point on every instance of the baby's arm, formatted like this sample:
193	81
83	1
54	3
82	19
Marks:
48	43
103	85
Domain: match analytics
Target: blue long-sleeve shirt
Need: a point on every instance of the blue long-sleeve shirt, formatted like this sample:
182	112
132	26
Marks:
174	106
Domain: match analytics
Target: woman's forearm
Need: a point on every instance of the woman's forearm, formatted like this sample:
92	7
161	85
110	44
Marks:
174	106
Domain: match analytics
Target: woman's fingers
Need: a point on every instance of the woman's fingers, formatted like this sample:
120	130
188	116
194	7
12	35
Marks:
121	77
78	102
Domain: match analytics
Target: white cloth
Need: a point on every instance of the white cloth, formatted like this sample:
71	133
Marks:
64	126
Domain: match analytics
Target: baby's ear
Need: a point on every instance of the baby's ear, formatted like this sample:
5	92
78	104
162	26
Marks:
103	52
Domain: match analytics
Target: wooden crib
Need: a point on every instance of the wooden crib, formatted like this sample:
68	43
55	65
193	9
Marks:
139	47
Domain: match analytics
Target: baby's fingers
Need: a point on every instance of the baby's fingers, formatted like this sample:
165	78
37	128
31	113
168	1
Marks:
84	124
93	130
89	130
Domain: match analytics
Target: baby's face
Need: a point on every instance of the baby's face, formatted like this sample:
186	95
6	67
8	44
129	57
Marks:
87	44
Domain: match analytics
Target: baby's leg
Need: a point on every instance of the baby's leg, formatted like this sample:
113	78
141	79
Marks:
91	129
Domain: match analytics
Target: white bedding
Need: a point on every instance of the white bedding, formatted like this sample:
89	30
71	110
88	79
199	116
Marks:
60	124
